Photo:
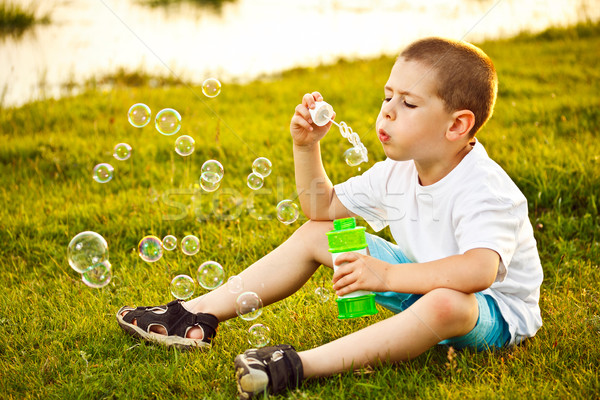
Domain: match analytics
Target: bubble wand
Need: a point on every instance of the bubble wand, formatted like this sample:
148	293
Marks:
322	114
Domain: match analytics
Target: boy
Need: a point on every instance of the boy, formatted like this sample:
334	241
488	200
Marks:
465	271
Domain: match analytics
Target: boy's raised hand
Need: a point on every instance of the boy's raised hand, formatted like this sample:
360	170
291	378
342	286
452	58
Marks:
304	132
360	272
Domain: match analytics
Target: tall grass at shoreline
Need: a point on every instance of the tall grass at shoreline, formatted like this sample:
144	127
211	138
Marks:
216	4
59	338
15	19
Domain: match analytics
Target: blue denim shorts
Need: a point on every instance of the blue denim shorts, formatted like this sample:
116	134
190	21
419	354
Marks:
490	331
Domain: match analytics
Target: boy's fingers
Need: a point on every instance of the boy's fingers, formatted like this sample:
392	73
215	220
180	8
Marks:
340	273
343	281
345	290
301	122
303	111
308	100
346	257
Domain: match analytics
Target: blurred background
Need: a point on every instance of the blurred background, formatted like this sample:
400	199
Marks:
72	44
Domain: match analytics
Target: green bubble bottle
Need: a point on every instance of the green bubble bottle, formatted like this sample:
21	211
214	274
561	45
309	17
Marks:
347	237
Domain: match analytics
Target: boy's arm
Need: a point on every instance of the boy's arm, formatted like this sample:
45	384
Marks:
315	190
471	272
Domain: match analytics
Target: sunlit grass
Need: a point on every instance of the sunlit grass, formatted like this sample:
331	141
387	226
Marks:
59	338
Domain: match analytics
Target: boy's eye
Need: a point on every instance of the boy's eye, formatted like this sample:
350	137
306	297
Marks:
406	103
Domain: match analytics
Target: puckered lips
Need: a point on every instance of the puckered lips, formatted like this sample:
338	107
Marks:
383	136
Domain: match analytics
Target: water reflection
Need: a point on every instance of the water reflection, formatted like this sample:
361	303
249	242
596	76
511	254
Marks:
247	38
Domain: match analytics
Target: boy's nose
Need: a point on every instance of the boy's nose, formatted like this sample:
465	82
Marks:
388	111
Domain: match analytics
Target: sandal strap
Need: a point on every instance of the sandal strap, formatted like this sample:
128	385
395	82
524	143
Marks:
174	318
286	372
208	323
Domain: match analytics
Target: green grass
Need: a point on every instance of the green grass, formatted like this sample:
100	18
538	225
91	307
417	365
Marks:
59	339
15	19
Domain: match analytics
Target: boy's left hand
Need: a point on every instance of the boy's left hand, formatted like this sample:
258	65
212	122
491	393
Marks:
360	273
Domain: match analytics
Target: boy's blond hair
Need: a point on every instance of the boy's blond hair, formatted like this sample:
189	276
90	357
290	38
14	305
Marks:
465	75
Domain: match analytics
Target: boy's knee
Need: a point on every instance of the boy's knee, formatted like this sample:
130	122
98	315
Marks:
315	229
312	237
451	307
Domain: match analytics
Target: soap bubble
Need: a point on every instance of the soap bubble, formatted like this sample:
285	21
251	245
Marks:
150	248
211	87
211	175
184	145
190	245
287	212
353	156
255	181
169	242
168	121
248	306
262	166
122	151
322	294
98	275
85	250
213	166
103	173
210	181
182	287
594	323
258	335
139	115
235	284
210	275
152	195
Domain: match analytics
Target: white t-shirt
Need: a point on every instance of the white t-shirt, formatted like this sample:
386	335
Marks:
476	205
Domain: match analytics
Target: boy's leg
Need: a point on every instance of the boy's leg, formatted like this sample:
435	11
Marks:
437	315
275	276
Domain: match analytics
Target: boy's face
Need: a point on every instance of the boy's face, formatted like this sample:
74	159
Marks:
412	122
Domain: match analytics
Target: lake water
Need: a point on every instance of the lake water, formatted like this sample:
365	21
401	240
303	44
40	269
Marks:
246	38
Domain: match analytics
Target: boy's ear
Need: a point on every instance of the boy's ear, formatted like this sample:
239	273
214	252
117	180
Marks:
463	121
